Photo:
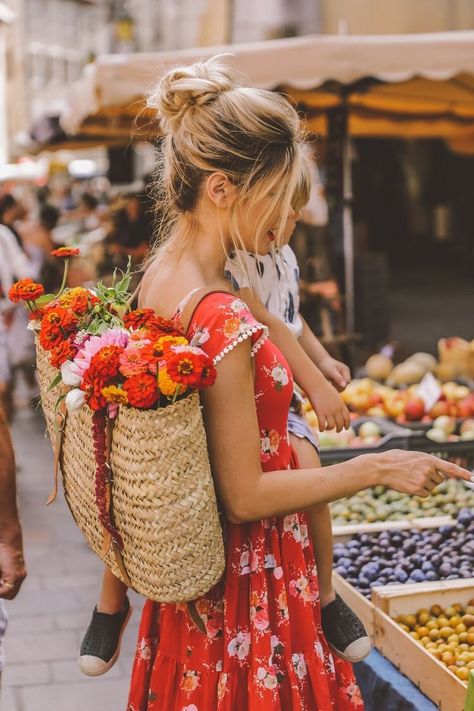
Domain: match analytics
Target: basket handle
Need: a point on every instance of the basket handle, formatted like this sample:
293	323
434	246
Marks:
61	417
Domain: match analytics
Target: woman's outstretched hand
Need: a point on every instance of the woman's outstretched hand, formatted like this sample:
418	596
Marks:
416	473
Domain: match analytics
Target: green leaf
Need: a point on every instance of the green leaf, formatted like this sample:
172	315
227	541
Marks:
43	300
55	382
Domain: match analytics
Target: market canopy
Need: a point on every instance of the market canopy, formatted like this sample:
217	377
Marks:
417	85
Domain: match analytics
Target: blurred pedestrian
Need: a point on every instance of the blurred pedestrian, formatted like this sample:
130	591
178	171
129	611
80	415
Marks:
14	265
12	564
132	229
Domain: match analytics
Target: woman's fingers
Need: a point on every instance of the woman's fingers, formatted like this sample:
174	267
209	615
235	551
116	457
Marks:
437	477
451	470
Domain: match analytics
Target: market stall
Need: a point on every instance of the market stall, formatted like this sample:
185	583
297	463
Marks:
411	85
401	85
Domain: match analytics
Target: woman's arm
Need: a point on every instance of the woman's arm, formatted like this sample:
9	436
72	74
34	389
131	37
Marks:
12	568
248	494
328	406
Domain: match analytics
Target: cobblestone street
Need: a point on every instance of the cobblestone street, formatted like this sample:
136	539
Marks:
49	616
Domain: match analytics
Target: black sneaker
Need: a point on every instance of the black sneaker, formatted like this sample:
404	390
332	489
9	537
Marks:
100	647
344	631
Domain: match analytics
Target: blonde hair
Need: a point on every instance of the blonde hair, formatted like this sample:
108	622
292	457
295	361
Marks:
212	123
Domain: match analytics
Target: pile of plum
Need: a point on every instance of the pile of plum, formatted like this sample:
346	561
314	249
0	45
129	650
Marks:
443	553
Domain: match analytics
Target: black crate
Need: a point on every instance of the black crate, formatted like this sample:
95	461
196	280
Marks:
394	437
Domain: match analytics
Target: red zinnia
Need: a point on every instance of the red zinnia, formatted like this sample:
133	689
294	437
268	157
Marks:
25	290
138	318
105	363
66	252
62	352
185	367
168	326
56	326
141	390
92	387
208	375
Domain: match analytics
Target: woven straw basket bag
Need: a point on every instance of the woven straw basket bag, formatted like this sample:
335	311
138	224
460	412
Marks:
162	494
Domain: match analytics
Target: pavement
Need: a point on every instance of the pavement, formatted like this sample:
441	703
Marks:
50	614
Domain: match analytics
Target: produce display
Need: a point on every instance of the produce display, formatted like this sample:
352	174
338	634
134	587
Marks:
413	556
381	504
455	359
446	429
365	435
446	633
367	396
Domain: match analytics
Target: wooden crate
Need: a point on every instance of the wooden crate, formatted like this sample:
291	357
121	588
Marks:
344	533
411	658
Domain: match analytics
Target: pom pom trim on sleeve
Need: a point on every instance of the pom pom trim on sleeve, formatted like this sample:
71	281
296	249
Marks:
243	336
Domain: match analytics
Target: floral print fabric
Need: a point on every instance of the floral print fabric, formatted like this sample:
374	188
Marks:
263	649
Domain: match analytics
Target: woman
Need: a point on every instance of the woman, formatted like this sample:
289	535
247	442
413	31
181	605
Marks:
231	159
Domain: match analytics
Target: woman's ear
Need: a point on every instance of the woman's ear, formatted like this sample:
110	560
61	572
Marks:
220	190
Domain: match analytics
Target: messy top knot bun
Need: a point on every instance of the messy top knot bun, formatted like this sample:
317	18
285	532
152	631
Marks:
186	87
210	122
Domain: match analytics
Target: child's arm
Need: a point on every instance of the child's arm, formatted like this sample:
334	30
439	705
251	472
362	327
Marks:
336	372
328	406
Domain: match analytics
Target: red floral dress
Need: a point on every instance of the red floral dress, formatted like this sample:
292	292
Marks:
264	649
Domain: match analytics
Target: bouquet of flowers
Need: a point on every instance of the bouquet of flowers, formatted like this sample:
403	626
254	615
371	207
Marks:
119	391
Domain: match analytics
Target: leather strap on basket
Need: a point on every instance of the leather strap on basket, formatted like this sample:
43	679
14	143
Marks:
61	417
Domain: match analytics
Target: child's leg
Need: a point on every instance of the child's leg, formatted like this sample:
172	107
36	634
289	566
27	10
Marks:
100	646
112	594
319	519
342	628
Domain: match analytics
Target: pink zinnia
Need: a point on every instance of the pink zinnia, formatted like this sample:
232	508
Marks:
111	337
133	362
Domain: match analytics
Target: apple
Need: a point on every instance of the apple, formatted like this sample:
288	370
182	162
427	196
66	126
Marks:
360	402
376	412
467	426
465	408
369	429
414	409
446	424
439	409
395	406
461	392
437	435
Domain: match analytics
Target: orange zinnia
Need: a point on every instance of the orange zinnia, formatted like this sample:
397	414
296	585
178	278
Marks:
66	252
62	352
56	326
25	290
78	299
141	390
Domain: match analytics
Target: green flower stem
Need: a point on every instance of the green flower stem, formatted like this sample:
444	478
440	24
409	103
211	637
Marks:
175	395
66	268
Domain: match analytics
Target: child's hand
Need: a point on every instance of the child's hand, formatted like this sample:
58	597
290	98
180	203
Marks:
329	408
336	372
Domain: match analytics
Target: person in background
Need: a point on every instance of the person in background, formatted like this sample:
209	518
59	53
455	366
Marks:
12	564
14	265
132	229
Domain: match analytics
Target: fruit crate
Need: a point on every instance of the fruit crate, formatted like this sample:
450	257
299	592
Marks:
461	452
343	533
394	437
432	677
